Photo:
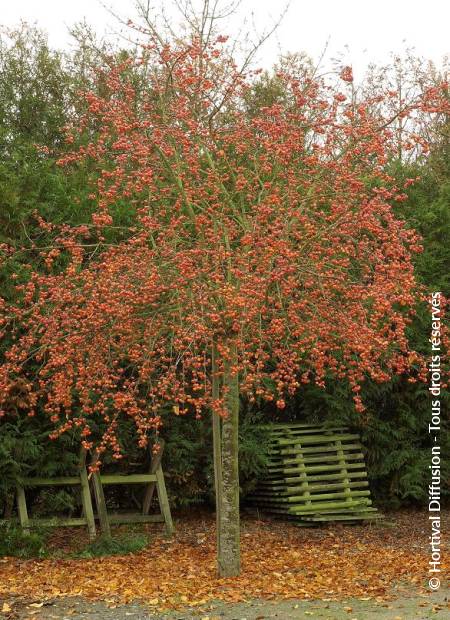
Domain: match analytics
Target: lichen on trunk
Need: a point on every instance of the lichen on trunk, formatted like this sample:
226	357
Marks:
226	449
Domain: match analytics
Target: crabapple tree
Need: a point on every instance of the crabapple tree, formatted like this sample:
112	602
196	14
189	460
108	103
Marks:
262	254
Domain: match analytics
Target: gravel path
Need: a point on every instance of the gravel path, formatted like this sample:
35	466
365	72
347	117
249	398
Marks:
408	606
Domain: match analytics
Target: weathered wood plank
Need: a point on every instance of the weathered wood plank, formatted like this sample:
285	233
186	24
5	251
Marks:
57	522
318	468
289	490
307	440
116	518
312	478
321	449
164	501
126	479
22	509
51	482
100	502
325	458
155	462
86	497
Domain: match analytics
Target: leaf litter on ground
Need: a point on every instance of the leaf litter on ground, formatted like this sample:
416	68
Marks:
279	561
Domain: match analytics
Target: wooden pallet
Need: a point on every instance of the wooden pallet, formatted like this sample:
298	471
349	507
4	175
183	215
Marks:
315	474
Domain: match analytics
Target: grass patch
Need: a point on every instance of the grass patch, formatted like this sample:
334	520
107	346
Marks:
14	543
44	543
118	545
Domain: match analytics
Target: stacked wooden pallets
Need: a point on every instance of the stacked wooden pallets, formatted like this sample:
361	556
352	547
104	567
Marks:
315	474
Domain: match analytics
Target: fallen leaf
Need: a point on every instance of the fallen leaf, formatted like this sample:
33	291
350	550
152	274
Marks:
279	562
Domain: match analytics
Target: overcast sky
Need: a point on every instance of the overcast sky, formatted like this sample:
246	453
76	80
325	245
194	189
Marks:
364	30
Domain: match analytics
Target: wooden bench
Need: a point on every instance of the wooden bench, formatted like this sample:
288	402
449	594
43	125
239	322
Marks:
81	479
154	480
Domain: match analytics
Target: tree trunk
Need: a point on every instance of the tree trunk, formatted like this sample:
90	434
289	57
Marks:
227	483
217	446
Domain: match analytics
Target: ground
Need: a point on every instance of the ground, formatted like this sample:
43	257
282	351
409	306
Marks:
407	606
333	572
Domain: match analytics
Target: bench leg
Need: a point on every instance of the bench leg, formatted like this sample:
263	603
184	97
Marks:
155	463
101	505
149	492
87	503
22	510
164	501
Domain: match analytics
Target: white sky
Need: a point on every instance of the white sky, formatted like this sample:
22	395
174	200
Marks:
370	29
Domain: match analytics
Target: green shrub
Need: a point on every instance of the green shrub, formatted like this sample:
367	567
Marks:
26	450
13	542
119	545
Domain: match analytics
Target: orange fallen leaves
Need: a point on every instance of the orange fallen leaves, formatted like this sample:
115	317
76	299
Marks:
279	561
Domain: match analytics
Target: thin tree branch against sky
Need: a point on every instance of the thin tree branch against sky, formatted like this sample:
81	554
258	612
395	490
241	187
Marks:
363	31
